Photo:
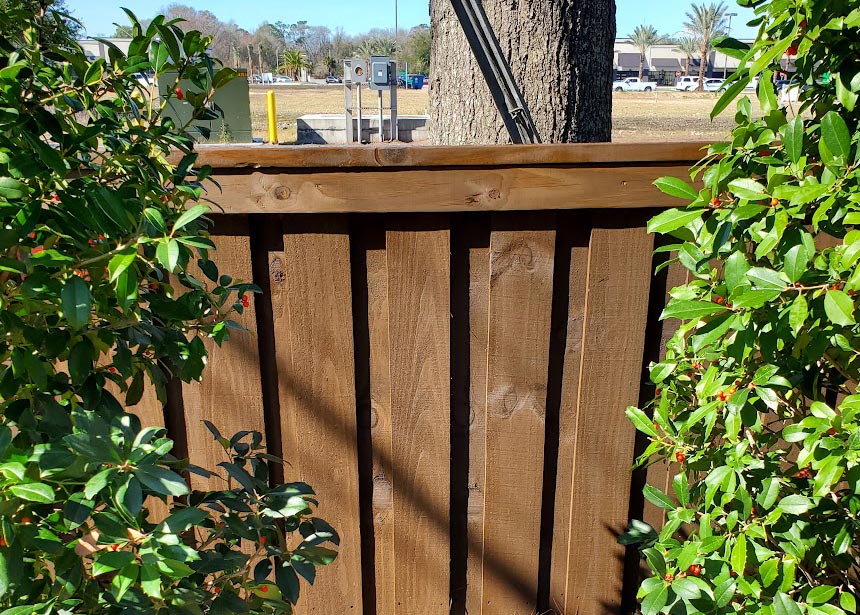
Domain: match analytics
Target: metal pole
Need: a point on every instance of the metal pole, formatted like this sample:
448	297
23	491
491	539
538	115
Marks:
360	137
273	117
347	100
392	95
726	57
381	119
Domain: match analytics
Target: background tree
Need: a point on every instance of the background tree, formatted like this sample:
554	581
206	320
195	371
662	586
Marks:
293	61
706	22
416	49
644	37
561	57
689	46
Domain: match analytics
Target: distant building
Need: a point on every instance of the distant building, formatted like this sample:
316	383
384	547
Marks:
97	49
664	62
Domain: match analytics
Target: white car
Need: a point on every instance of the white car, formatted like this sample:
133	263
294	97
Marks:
687	84
714	85
632	84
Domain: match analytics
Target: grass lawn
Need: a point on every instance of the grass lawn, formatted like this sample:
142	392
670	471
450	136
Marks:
636	116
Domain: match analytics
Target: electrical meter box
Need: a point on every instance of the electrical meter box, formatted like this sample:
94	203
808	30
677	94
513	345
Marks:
232	102
355	70
381	74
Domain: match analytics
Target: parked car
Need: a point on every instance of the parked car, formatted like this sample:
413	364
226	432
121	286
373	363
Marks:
779	84
632	84
282	79
687	84
333	79
714	85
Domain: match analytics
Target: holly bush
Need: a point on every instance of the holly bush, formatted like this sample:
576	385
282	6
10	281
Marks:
756	404
106	287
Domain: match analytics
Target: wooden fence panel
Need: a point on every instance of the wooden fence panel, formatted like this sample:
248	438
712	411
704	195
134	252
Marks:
617	292
418	258
232	404
318	394
401	339
521	273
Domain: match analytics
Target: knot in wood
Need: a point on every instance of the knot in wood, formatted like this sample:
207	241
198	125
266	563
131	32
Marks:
276	271
282	193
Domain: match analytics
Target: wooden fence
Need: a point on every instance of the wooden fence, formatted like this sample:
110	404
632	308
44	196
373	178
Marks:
444	348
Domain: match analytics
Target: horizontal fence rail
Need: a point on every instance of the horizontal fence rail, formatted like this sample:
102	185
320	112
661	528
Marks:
444	347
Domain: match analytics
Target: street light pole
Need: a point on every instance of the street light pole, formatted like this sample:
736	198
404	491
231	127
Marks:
728	33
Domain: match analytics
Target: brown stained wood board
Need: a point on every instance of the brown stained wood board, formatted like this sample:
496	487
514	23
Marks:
443	189
619	277
579	231
521	274
392	155
479	296
418	262
660	474
229	394
317	396
381	437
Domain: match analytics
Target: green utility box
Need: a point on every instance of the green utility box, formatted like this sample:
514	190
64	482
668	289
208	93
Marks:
231	101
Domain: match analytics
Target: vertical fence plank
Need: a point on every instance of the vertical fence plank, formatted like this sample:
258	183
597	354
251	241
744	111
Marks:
418	258
232	403
317	394
479	298
562	529
521	273
380	408
660	474
615	317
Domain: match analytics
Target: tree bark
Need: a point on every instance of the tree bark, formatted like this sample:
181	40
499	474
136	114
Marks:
560	53
702	66
641	66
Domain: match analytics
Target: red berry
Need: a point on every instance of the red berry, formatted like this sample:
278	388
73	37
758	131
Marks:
32	235
695	570
264	588
37	249
791	51
669	577
774	202
658	391
719	300
697	365
831	431
680	457
56	198
26	520
245	301
216	590
722	396
112	370
804	473
114	547
179	93
262	540
3	543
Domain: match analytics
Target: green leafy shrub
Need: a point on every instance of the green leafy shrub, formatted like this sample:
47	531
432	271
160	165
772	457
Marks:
100	234
757	407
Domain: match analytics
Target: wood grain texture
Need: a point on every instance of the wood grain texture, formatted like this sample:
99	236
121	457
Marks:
521	274
568	413
418	259
231	403
443	189
381	436
239	156
317	398
615	317
479	298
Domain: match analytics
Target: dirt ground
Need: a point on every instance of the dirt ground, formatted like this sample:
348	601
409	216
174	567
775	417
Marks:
636	116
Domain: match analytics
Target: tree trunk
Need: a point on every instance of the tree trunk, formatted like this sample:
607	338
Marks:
702	67
687	71
560	52
641	66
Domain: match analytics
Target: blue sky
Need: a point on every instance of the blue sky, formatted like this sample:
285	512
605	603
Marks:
361	15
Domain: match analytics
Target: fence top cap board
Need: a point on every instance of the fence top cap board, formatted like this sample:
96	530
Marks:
253	156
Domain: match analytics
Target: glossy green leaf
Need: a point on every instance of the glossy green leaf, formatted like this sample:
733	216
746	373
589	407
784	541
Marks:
839	307
76	301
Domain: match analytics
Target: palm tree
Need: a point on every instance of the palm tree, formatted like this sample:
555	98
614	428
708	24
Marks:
293	61
689	46
644	37
706	22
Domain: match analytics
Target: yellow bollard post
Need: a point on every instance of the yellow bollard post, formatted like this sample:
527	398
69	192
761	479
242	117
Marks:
273	117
